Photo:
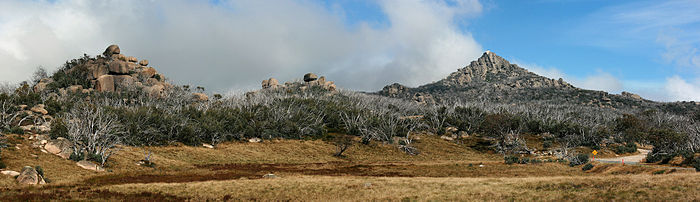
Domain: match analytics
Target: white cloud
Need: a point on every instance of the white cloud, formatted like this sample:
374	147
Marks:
599	81
236	44
679	89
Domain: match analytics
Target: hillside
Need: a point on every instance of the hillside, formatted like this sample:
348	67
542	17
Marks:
491	78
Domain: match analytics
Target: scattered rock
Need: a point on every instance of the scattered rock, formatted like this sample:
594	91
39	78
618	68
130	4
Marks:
75	89
118	67
10	173
40	109
367	185
200	97
451	129
310	77
462	134
105	83
448	138
270	176
208	146
43	83
132	59
148	72
143	63
30	176
155	90
60	147
111	50
270	83
255	140
89	166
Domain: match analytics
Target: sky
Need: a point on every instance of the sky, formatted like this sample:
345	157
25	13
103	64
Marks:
228	46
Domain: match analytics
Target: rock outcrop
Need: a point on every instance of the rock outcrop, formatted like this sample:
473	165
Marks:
60	147
631	95
112	72
30	176
491	78
310	81
310	77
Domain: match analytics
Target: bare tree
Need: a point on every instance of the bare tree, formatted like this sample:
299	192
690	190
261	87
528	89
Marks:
93	131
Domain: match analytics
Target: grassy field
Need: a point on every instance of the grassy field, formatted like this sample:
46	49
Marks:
307	171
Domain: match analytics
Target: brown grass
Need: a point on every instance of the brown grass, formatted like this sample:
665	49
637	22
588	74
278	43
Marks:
675	187
309	171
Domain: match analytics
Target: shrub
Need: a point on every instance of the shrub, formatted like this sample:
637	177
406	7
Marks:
16	130
579	159
696	164
95	158
524	160
547	144
2	164
511	159
658	172
626	148
76	156
587	167
39	170
58	129
342	143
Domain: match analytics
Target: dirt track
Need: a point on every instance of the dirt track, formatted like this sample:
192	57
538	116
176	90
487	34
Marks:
634	159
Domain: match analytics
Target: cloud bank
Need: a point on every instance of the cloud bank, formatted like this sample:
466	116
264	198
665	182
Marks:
231	45
599	81
669	27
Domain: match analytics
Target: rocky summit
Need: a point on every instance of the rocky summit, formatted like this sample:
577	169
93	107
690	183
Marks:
110	72
493	78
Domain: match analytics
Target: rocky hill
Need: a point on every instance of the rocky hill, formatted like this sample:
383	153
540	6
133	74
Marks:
110	72
491	78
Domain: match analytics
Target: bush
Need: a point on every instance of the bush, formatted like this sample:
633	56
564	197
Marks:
524	160
39	170
579	159
587	167
16	130
626	148
95	158
511	159
2	165
658	172
547	144
76	156
696	164
58	129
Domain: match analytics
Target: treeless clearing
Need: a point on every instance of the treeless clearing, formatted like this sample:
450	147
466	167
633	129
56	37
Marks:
325	188
308	171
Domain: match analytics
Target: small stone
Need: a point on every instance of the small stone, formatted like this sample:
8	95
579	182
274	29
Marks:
255	140
89	165
270	176
310	77
208	146
10	173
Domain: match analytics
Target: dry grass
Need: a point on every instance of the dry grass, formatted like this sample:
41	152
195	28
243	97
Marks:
683	187
309	172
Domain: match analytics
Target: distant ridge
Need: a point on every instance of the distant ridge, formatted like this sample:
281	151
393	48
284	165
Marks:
492	78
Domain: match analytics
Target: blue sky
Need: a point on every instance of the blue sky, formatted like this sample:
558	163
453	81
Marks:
645	47
622	40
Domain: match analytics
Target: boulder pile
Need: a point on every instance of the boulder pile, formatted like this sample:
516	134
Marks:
114	72
34	119
310	80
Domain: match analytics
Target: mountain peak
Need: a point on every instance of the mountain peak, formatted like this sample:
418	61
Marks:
492	60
